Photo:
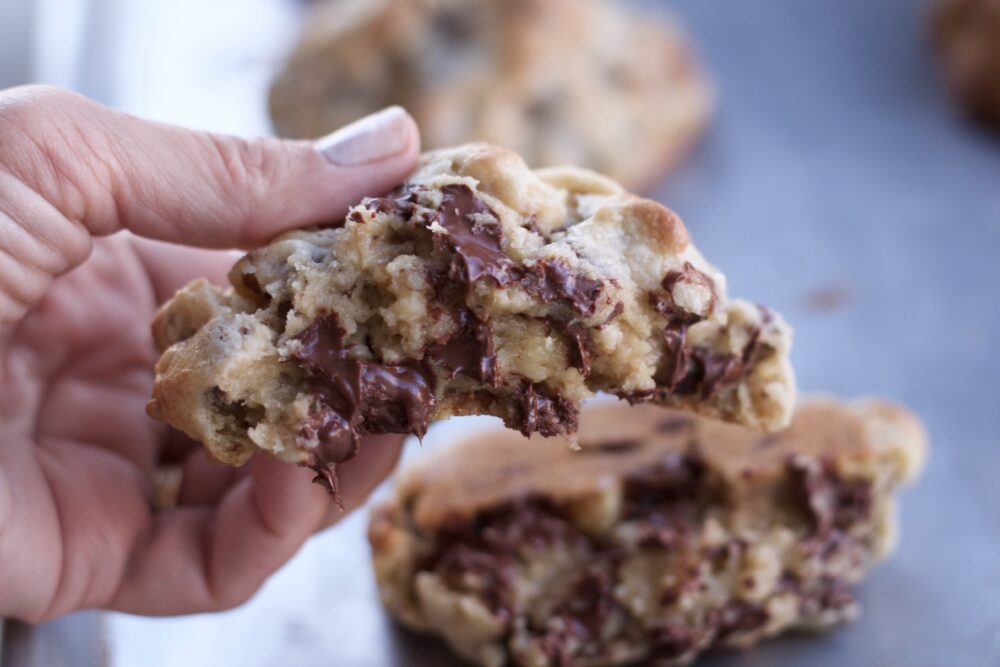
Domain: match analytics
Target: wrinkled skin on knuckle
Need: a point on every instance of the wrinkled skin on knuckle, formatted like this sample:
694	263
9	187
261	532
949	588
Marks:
56	145
247	171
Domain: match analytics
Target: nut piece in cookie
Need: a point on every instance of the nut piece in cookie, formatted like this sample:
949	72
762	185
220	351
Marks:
665	536
586	82
966	34
476	287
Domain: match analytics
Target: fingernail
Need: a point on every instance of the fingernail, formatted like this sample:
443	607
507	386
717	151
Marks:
371	139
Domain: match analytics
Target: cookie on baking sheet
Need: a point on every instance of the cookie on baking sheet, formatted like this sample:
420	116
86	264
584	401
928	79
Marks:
477	287
966	34
584	82
666	535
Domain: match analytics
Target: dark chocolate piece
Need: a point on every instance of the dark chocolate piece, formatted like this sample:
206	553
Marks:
543	411
829	501
355	396
675	478
612	446
468	351
664	301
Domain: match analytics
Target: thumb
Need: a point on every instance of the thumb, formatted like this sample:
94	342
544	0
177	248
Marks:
71	168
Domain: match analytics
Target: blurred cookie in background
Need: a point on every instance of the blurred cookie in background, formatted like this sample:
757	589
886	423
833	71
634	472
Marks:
585	82
664	536
966	34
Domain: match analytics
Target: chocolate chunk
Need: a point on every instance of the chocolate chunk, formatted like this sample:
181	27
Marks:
673	479
552	280
356	396
674	424
582	615
578	340
664	301
489	547
474	236
829	501
740	617
543	411
475	243
828	593
531	224
613	446
686	371
469	351
671	641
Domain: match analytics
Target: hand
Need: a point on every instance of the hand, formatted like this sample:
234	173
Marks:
77	452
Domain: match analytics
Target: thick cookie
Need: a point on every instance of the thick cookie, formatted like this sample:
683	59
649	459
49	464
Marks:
664	536
967	36
477	287
584	82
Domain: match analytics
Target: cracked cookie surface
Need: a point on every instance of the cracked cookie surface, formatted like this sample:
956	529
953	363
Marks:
664	536
476	287
583	82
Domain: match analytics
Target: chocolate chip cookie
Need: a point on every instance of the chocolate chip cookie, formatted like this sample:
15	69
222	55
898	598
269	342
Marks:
476	287
664	536
584	82
967	36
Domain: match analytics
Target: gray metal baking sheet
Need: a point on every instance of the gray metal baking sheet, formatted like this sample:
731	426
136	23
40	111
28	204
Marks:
838	184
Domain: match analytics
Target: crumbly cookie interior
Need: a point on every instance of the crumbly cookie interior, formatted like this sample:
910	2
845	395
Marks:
477	287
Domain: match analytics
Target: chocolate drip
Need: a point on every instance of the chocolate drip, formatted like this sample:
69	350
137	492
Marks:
354	397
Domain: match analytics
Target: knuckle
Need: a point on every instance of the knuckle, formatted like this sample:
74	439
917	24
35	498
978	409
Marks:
249	171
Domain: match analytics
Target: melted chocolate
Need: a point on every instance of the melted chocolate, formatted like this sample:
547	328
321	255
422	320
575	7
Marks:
489	547
469	351
551	280
578	344
739	617
676	478
664	301
829	501
672	640
685	371
355	396
475	243
612	446
542	411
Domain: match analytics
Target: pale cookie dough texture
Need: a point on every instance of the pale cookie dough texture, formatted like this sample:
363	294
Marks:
664	536
476	287
584	82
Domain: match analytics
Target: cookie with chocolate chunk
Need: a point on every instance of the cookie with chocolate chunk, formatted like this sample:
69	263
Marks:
664	536
584	82
477	287
966	34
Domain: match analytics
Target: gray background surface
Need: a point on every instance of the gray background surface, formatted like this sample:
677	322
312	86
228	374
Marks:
838	185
